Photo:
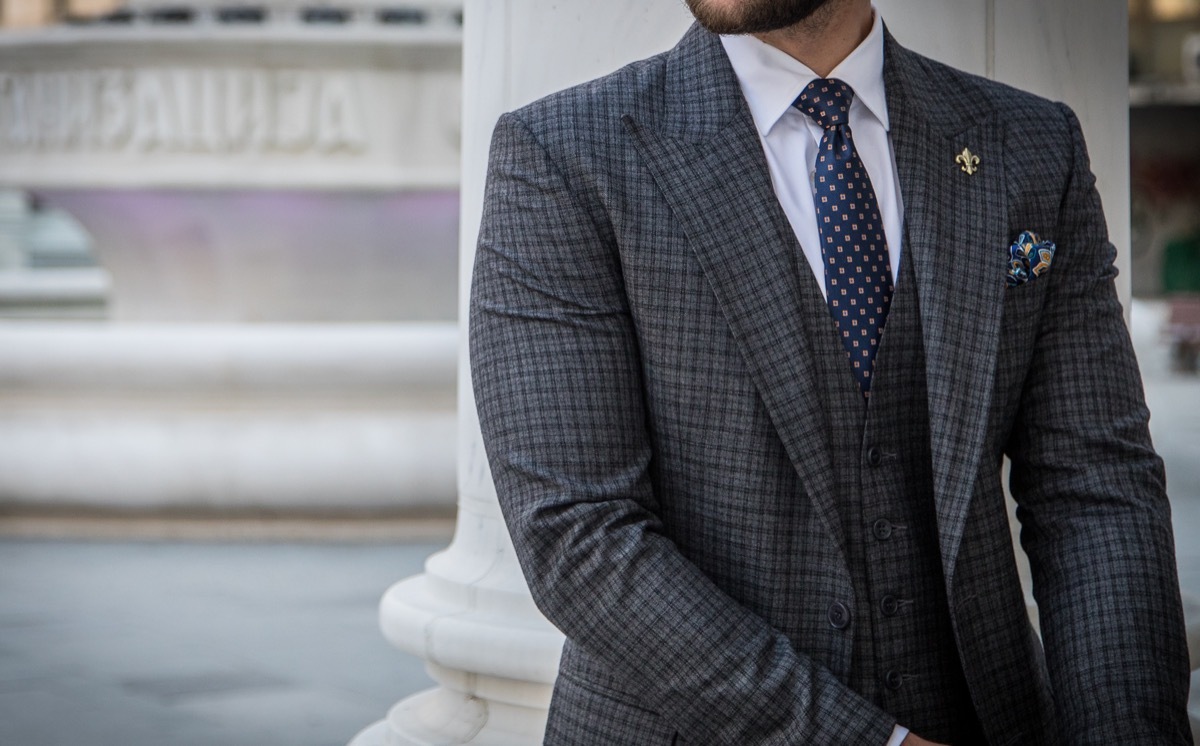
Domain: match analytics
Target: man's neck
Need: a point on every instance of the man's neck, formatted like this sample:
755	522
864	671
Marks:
827	37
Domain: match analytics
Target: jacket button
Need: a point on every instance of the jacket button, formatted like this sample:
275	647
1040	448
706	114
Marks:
893	680
889	605
874	456
882	529
839	615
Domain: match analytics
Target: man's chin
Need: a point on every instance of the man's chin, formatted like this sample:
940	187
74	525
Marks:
751	16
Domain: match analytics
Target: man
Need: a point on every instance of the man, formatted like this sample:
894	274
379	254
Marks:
754	323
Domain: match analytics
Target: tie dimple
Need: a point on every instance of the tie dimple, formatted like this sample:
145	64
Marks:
858	277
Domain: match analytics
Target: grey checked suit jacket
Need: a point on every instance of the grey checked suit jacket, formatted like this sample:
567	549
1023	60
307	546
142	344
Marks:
645	390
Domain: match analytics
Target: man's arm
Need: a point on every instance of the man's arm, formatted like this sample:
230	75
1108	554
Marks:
1092	501
558	386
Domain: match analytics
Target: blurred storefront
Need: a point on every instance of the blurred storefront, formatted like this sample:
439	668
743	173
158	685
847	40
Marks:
1164	60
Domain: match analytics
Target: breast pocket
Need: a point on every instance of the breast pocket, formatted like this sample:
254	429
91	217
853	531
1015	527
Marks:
1022	315
1021	322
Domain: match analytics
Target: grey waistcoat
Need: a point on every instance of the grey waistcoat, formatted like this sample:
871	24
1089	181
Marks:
904	651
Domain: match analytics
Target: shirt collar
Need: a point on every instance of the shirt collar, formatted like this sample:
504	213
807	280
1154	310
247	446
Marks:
771	79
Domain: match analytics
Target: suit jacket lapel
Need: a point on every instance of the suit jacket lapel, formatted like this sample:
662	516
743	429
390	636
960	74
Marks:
708	162
706	158
955	227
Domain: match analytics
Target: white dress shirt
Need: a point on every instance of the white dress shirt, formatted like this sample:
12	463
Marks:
771	80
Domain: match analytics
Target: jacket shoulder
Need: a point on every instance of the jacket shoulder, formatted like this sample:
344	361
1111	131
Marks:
970	94
593	110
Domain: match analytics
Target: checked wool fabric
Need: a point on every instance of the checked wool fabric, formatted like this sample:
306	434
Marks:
649	387
858	278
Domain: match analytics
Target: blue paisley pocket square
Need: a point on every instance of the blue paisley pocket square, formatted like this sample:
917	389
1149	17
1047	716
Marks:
1029	258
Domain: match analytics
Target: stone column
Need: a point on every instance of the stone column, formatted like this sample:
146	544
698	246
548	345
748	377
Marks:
470	616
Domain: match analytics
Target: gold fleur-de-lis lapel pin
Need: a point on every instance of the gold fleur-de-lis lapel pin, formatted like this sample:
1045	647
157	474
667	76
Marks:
969	161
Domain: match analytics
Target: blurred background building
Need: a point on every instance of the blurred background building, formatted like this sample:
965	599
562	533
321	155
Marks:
228	241
1164	95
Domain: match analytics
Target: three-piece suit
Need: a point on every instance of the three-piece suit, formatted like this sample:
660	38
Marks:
739	547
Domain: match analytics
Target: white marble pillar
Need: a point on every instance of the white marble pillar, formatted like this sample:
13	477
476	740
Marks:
492	654
470	615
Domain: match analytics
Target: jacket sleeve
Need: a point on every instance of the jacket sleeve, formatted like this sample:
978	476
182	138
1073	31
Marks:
556	371
1092	502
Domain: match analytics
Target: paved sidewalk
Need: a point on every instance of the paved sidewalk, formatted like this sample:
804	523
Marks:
197	644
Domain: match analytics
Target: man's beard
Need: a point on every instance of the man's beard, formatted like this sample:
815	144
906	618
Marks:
753	16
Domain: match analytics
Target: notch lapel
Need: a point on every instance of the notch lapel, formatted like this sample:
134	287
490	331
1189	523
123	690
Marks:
707	161
955	226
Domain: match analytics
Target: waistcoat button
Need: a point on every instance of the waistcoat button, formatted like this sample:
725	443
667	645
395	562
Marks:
893	680
874	456
889	605
839	615
882	529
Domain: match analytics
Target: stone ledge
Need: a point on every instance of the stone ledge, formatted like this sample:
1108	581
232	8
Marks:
17	522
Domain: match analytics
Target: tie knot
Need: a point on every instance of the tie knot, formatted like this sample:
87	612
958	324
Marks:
827	101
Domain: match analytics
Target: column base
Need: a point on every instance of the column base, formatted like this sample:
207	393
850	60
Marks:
442	717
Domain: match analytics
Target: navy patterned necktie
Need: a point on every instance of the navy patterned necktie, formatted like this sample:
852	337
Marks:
858	278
